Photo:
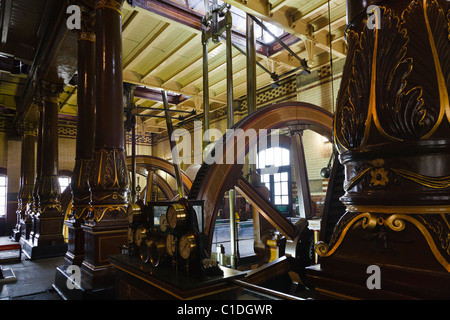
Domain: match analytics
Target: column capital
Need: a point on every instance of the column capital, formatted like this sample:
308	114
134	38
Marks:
297	129
51	91
87	31
37	98
28	128
110	4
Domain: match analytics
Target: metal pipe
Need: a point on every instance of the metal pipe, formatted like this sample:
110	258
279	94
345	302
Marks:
162	110
173	147
251	67
133	161
251	80
229	55
230	123
245	54
302	61
205	86
154	116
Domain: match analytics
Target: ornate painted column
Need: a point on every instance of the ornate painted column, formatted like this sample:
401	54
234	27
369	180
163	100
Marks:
28	224
392	131
48	221
25	196
106	225
81	194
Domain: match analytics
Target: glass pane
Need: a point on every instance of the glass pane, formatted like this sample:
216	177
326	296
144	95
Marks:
284	188
269	157
261	160
276	177
277	157
285	157
284	200
277	187
277	199
284	176
268	185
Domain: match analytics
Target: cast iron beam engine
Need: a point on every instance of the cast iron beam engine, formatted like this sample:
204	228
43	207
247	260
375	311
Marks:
169	235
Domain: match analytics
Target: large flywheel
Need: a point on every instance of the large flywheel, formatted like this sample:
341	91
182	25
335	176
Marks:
150	166
214	179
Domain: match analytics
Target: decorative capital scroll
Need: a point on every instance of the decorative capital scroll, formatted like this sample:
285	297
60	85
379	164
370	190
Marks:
51	91
37	98
49	190
110	4
435	229
87	31
108	180
81	195
108	170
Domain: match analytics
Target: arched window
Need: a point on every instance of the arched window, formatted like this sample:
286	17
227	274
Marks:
3	195
274	167
64	182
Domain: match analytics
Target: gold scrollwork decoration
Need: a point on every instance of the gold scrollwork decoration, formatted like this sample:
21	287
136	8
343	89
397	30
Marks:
98	212
396	222
110	4
380	177
325	250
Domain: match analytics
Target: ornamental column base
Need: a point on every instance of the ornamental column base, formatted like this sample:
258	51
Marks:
48	240
75	243
17	230
101	241
408	249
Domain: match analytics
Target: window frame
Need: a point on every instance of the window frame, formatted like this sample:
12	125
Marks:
286	209
64	177
5	187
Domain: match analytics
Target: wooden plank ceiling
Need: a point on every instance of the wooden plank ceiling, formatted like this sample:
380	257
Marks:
162	50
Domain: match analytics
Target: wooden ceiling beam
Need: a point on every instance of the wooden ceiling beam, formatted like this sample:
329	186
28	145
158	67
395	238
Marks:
279	5
261	10
172	11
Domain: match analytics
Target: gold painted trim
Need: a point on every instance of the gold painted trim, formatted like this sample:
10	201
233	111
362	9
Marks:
427	237
109	4
400	209
323	249
395	222
430	182
86	36
443	94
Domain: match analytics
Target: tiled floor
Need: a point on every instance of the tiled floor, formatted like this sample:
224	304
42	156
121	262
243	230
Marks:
34	278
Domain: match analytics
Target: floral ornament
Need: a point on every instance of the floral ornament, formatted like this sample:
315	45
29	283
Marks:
379	177
378	163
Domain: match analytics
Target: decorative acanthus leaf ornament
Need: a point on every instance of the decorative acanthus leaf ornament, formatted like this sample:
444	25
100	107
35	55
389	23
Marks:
350	118
428	30
389	87
399	109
